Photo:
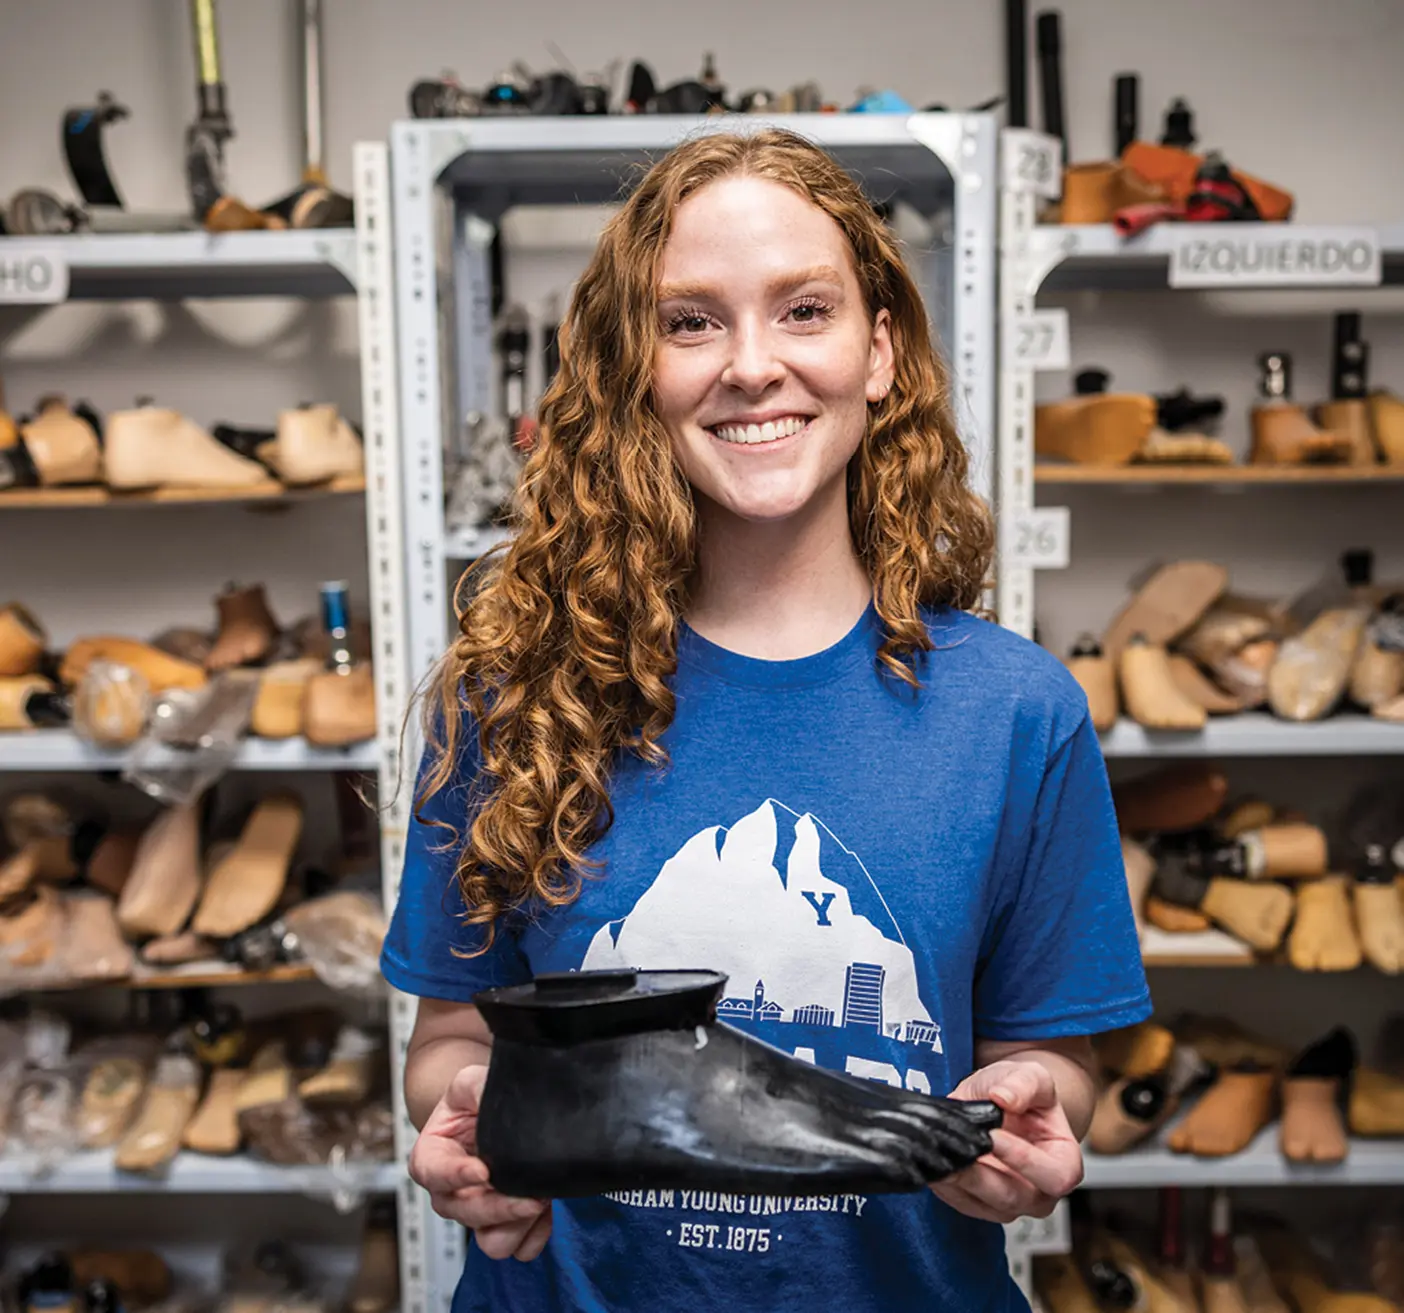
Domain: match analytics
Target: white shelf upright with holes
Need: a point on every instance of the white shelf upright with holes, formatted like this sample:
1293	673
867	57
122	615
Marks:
454	180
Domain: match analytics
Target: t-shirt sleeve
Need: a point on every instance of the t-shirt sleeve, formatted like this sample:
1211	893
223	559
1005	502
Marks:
1061	955
429	948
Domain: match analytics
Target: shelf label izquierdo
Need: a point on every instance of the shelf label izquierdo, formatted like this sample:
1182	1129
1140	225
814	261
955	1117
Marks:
1274	255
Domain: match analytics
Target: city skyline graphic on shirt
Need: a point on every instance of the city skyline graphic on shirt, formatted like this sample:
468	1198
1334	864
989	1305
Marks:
779	904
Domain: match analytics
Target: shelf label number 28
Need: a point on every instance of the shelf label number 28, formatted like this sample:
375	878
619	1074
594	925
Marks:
1033	162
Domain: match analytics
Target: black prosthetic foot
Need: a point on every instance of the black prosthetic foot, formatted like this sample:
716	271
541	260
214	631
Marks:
623	1080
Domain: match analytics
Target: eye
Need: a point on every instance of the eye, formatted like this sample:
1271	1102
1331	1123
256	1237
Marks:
688	323
809	310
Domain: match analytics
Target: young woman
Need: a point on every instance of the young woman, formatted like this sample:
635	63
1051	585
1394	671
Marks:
722	704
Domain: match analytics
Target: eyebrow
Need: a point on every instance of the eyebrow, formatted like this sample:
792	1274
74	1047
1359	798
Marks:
819	273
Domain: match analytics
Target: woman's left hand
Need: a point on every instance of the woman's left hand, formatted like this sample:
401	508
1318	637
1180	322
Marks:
1036	1159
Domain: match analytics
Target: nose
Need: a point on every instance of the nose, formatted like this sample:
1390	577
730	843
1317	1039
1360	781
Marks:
754	364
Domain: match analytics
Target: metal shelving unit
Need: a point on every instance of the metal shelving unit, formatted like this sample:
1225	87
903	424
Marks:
177	266
44	750
93	1172
454	180
1370	1162
299	264
1258	734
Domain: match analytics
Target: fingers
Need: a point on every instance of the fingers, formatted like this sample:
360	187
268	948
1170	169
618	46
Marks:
523	1236
1055	1169
465	1091
993	1193
480	1207
444	1166
1022	1086
535	1240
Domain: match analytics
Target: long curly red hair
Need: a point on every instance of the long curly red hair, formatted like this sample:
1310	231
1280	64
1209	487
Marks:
568	637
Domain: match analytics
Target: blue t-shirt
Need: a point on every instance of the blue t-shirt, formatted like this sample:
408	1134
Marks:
884	875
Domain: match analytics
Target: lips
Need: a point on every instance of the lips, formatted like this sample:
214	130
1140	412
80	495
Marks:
750	435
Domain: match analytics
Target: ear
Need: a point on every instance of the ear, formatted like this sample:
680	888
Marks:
881	368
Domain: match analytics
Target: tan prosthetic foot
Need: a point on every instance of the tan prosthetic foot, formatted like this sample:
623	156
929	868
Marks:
111	1096
63	447
1376	1103
22	640
1387	421
110	866
171	1098
1061	1286
1181	797
1379	913
1198	688
340	709
1282	432
1233	1110
95	949
161	672
1324	937
30	702
1095	427
176	950
345	1080
1153	698
1162	448
152	447
166	876
1132	1109
1313	668
1377	677
246	885
376	1287
1174	919
1312	1128
282	691
1168	604
313	444
215	1127
1136	1051
1350	419
1097	676
247	629
18	872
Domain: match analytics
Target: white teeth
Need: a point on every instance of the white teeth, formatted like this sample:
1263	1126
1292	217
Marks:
772	430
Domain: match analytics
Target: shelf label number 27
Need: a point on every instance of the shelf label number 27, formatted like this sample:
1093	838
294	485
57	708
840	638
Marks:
1040	340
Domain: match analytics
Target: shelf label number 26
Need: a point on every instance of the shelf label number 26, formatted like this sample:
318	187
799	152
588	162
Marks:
1039	538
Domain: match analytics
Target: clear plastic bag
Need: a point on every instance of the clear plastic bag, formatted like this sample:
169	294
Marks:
45	1104
116	1071
111	704
1312	669
340	935
192	738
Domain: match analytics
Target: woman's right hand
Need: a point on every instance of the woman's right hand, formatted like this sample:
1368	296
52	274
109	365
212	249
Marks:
444	1161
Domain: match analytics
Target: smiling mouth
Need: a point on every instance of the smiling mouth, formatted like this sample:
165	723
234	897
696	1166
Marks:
752	435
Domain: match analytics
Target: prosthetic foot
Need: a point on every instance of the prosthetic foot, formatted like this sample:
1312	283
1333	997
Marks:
1233	1110
166	876
1350	418
1387	422
1094	427
246	885
95	949
111	1096
175	950
1282	432
339	709
161	672
376	1287
1312	1129
152	447
63	447
1061	1286
171	1099
1258	913
1312	669
1199	689
1162	448
214	1129
1153	698
1093	193
1154	1293
1097	675
1379	912
345	1080
1377	677
313	444
1324	936
110	866
1169	603
1130	1110
1173	798
282	691
1140	1050
1376	1103
705	1105
32	702
22	640
1174	919
247	629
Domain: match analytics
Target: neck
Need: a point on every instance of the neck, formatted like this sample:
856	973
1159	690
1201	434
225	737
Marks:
777	591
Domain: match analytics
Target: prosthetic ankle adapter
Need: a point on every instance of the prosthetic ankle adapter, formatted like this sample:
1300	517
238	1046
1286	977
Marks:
619	1080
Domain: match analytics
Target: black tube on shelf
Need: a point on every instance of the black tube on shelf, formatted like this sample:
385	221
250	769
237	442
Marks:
1127	121
1016	62
1050	68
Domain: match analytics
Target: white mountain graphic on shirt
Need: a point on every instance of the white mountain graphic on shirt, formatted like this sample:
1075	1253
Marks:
790	914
